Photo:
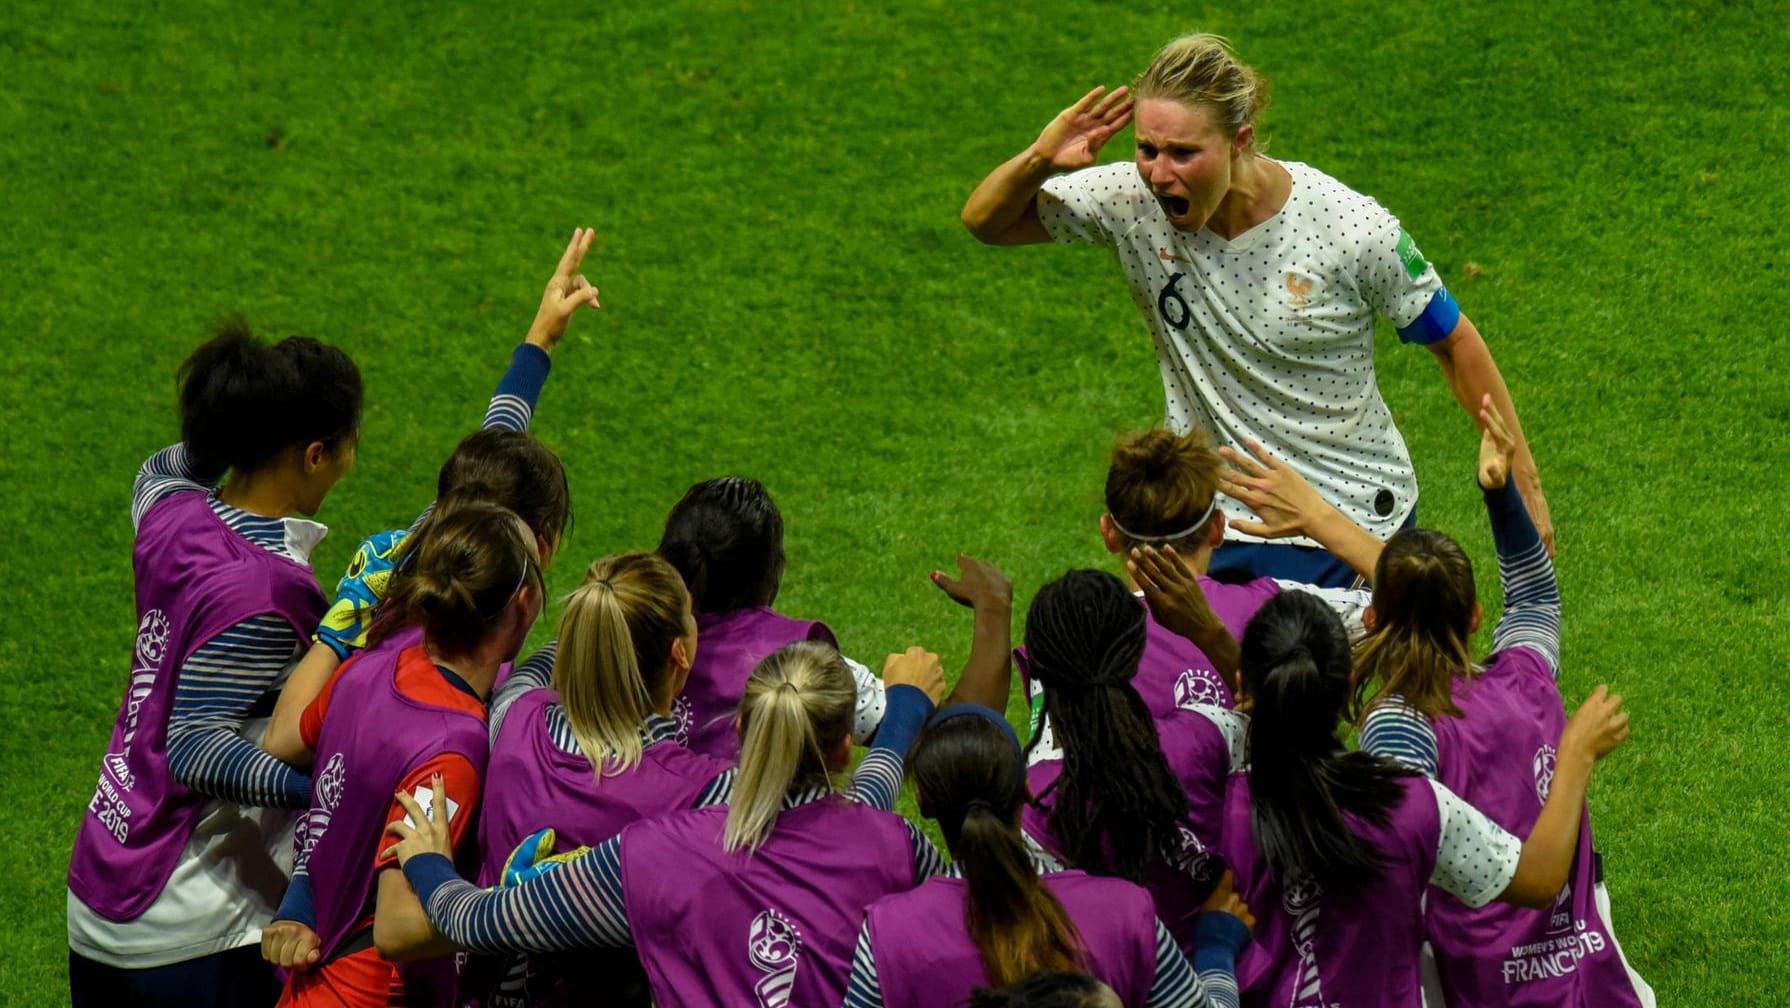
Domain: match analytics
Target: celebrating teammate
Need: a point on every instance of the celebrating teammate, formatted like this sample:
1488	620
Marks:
754	901
175	867
1487	730
1260	280
726	538
1334	850
1003	913
408	718
1117	792
500	463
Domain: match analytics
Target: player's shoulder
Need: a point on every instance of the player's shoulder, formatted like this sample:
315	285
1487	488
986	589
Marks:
1115	185
1330	198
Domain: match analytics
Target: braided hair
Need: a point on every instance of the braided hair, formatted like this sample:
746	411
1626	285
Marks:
1117	808
725	537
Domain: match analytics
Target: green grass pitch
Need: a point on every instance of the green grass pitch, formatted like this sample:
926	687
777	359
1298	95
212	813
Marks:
788	294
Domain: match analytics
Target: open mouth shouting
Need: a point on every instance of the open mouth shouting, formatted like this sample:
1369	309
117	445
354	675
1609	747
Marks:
1175	206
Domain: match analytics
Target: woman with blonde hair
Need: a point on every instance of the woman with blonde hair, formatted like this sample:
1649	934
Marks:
1260	281
753	901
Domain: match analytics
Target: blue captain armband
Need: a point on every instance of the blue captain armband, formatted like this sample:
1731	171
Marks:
1439	318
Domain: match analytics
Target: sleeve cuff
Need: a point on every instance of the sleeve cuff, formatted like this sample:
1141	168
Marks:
1512	529
299	903
427	873
1218	938
904	714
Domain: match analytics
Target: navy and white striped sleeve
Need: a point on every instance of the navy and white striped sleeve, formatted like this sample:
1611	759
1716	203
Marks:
220	687
877	781
862	988
576	905
1218	940
513	404
1396	730
927	859
533	673
719	791
168	471
1175	982
1531	593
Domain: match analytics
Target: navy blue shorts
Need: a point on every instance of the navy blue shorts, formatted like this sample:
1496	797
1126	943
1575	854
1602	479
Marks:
222	980
1236	562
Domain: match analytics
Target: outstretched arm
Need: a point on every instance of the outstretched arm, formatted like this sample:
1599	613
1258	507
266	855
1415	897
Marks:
1525	571
987	676
1472	374
1003	208
1289	506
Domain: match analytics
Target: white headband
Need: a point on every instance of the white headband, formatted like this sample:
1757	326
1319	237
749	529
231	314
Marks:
1198	523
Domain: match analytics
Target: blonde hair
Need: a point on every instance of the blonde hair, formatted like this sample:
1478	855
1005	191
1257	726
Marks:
797	704
1202	69
614	641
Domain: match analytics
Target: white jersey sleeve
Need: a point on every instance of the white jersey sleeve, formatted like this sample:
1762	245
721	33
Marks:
1475	857
1396	280
872	700
1347	603
1095	205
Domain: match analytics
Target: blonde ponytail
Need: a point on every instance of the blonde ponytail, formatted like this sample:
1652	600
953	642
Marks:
614	644
797	704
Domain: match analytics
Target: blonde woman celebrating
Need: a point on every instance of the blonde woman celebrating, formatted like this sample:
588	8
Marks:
1260	281
752	902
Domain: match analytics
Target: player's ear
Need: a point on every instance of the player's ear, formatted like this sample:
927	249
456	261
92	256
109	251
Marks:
1215	531
1244	141
1109	534
1473	627
1369	618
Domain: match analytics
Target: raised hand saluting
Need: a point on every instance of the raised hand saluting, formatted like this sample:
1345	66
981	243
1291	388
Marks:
566	291
1074	138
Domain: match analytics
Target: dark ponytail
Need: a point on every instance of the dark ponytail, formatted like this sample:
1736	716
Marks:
970	776
458	574
1118	807
1295	667
243	402
725	537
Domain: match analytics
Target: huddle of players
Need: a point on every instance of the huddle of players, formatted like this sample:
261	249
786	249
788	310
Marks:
1184	821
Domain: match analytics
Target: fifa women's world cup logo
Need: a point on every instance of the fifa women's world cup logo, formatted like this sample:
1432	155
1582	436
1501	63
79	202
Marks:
1303	900
774	945
1544	772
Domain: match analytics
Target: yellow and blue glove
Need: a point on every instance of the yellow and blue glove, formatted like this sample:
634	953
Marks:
534	857
344	627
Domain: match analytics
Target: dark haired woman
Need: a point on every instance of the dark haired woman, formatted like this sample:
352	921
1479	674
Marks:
174	871
1002	914
1335	849
725	537
1118	792
1487	730
501	463
406	719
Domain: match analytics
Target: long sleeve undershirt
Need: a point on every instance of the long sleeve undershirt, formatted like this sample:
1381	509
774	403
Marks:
1531	619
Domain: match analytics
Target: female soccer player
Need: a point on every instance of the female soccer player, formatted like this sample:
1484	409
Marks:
174	870
753	902
409	718
501	463
1487	731
1260	280
1334	850
599	750
726	538
1002	913
1118	792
